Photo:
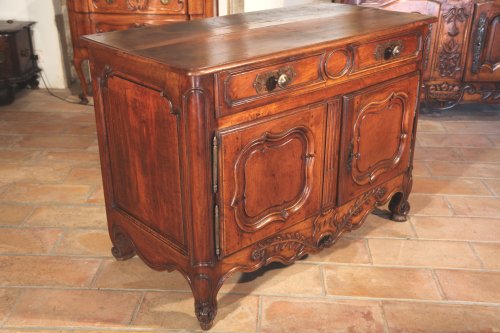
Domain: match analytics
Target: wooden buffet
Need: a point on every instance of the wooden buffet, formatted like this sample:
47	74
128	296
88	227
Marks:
274	133
94	16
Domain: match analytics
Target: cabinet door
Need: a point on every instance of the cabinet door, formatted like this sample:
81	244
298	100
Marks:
271	176
483	62
376	137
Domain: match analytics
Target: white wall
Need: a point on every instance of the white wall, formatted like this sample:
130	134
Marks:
253	5
46	37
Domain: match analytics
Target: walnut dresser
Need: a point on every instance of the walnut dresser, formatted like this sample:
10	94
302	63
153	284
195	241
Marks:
274	133
462	63
93	16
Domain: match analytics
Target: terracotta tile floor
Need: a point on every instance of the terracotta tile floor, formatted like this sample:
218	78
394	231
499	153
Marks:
439	272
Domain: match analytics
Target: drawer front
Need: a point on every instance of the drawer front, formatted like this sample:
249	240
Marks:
140	6
387	51
244	88
270	176
106	23
377	134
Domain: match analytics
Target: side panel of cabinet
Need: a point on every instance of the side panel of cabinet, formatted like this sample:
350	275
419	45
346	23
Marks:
271	175
142	148
376	135
483	62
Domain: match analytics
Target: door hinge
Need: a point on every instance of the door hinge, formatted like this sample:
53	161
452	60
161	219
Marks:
350	156
217	230
215	164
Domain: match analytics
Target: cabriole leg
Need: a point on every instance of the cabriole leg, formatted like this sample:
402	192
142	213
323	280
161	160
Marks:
123	248
205	300
399	205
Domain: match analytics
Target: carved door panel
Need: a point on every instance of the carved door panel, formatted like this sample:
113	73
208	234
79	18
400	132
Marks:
377	135
483	59
270	176
450	56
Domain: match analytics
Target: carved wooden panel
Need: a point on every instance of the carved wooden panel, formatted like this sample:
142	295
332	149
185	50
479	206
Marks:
378	132
455	24
483	63
146	183
271	175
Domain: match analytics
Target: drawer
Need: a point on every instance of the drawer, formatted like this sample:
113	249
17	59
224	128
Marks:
244	88
106	23
141	6
387	51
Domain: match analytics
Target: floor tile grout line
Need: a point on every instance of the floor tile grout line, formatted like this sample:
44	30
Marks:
412	227
438	285
368	250
58	242
384	317
29	215
477	256
96	275
260	305
450	206
137	308
488	187
11	310
322	275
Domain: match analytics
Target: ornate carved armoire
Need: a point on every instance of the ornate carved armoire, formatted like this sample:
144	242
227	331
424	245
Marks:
462	63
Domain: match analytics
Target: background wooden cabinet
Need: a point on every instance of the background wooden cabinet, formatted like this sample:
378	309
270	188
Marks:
95	16
462	60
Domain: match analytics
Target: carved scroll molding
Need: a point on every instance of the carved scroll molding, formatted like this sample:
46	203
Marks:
272	247
394	100
479	39
270	141
447	95
332	223
327	227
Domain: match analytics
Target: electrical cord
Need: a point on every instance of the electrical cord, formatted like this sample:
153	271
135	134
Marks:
42	74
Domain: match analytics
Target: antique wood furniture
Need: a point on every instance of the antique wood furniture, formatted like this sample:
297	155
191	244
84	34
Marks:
18	63
463	59
95	16
273	133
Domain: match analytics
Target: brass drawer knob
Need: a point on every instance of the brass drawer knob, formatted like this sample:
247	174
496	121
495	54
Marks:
165	2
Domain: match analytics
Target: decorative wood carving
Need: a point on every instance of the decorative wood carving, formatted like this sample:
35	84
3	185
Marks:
332	223
338	63
478	43
137	4
251	222
449	58
444	91
453	16
270	248
368	176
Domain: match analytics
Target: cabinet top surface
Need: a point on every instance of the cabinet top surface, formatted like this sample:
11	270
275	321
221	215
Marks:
213	44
